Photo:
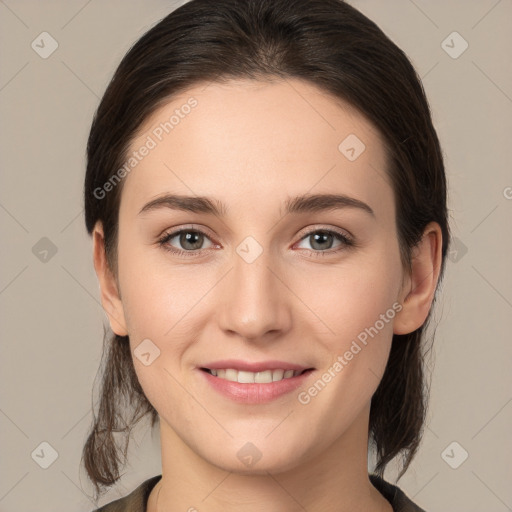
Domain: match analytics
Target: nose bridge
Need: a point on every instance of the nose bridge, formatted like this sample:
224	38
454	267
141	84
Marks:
253	303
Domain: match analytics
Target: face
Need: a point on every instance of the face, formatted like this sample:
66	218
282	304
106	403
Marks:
313	284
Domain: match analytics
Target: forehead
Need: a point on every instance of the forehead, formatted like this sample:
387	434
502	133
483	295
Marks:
257	140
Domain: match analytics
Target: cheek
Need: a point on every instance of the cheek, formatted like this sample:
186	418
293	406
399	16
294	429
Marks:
350	298
156	294
356	306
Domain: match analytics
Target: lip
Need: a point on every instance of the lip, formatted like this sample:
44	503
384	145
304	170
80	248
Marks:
237	364
255	393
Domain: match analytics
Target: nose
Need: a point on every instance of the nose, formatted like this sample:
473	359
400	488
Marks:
256	301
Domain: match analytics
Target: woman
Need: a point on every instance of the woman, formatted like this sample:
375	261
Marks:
267	201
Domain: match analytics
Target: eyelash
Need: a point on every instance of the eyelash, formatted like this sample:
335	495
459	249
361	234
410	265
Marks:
346	242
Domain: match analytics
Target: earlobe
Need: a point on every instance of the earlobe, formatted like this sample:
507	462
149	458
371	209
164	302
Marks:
110	298
418	292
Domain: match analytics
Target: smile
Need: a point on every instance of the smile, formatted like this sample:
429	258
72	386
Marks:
252	388
245	377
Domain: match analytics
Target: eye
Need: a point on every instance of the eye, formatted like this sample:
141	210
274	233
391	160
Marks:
322	240
191	240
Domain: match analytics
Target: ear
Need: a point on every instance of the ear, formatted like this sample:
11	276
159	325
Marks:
110	298
419	287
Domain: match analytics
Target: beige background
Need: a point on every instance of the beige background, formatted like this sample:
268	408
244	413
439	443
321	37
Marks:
51	317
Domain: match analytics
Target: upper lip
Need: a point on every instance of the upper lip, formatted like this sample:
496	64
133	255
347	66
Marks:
247	366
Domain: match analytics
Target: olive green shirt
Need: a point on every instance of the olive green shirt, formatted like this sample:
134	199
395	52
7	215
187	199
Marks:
137	500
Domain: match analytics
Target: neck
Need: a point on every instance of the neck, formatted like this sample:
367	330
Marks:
334	479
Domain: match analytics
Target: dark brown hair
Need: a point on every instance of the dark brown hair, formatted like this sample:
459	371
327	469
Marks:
332	46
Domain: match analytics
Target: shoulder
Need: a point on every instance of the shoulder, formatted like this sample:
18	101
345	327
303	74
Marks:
398	499
136	501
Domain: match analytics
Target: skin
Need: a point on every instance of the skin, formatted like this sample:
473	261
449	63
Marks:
252	145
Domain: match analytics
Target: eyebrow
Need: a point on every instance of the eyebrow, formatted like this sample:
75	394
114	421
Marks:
308	203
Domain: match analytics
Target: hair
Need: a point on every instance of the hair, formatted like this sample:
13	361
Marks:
331	45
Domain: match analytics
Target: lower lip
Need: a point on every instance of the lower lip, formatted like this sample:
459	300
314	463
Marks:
252	393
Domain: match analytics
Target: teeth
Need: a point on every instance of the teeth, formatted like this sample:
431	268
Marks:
265	377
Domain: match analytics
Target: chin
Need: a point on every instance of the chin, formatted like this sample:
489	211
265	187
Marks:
255	458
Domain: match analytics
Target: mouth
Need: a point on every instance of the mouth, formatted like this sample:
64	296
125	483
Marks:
261	377
254	383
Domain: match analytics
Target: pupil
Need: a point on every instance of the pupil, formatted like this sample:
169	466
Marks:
316	236
189	238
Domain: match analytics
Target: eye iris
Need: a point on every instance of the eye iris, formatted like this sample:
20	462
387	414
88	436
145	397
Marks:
321	235
191	237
